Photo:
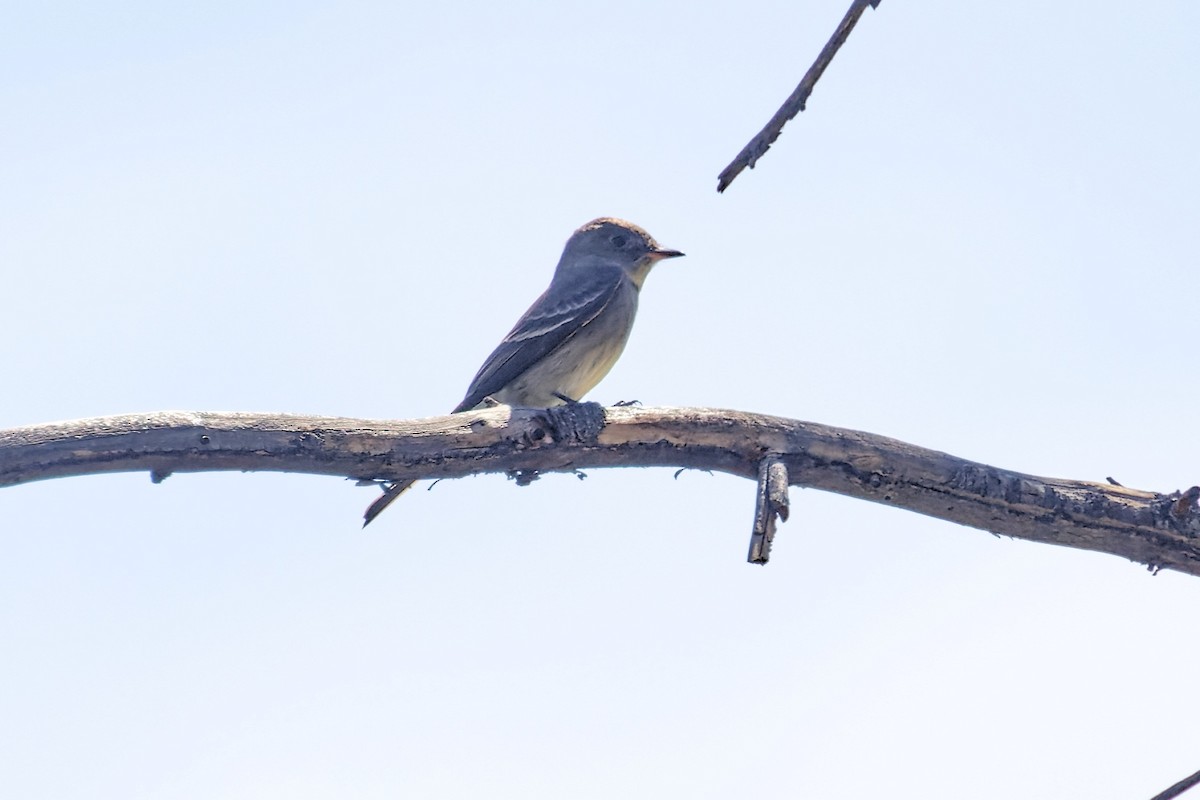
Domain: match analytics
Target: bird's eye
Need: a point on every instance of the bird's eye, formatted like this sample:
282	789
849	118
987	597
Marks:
619	240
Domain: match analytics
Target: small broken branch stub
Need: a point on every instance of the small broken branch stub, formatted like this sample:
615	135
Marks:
771	506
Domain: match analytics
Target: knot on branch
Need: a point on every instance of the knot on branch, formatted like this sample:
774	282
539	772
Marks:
986	482
1183	510
574	422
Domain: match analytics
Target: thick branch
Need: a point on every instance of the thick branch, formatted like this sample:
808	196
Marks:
1157	529
795	103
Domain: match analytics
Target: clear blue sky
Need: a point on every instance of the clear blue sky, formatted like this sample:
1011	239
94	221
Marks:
981	237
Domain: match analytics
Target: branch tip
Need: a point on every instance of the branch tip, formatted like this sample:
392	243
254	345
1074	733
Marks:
797	101
1174	791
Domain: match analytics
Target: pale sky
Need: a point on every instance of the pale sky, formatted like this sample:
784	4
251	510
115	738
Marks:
981	238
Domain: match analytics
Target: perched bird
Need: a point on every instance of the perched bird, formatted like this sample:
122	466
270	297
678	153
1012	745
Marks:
572	335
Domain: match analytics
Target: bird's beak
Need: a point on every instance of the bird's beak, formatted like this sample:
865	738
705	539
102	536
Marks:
659	255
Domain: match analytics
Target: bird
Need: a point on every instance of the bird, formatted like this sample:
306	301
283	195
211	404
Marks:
572	335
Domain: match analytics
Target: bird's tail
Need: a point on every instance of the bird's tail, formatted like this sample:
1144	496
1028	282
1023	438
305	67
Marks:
385	500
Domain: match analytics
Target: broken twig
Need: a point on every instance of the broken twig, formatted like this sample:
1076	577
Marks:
772	505
759	145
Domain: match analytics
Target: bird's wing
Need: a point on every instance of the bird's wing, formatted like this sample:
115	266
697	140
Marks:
561	312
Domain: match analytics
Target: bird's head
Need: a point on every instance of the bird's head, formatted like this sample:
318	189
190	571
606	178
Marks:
615	241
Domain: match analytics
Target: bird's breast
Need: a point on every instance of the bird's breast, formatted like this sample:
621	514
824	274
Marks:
575	367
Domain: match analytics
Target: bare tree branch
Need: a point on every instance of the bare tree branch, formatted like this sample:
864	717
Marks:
1174	791
795	103
1161	530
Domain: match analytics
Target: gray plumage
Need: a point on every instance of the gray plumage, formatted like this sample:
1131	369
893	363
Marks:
572	335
